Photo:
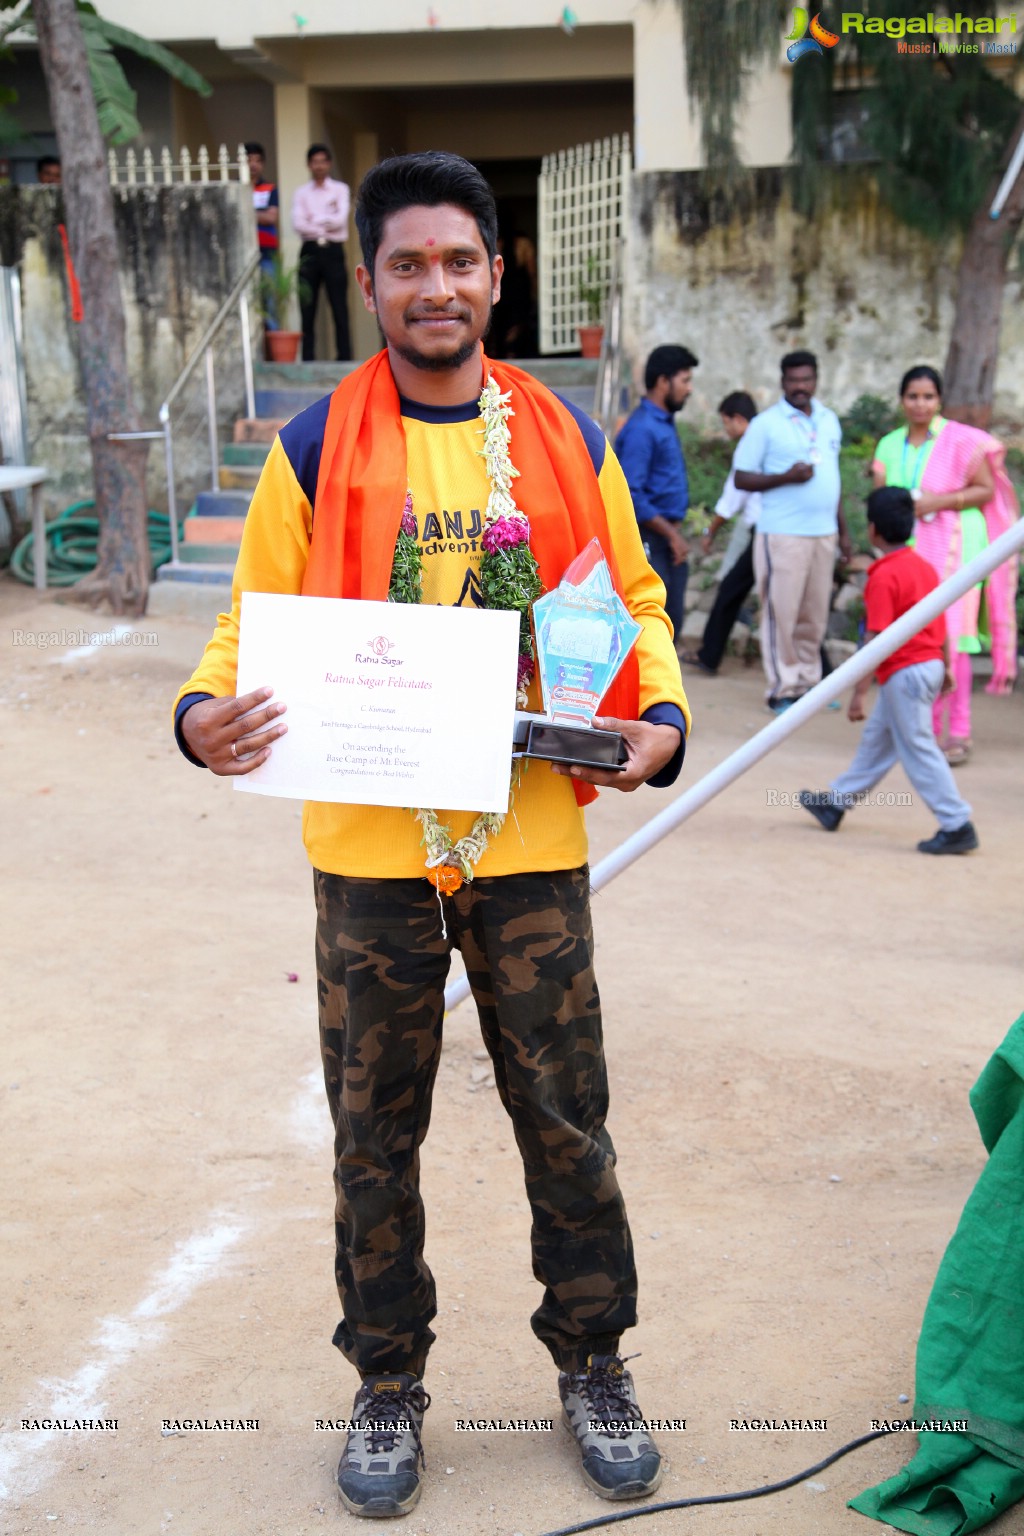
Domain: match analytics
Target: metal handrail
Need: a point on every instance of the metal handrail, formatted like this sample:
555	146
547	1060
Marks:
239	297
214	326
609	369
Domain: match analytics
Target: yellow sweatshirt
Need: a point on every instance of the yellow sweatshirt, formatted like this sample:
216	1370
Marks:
545	828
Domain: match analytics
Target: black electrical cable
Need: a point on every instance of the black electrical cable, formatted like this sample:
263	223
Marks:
719	1498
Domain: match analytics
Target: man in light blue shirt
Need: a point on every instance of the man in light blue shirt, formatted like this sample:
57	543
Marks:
790	453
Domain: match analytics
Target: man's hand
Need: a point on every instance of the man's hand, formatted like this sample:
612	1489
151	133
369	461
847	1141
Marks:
233	736
648	748
796	474
948	680
679	547
707	541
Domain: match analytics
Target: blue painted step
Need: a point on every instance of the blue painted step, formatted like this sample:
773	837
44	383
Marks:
222	503
283	404
209	575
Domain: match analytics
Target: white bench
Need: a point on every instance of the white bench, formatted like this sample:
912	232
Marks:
29	477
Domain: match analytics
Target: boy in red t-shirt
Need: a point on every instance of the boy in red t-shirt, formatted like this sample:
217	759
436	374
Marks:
900	727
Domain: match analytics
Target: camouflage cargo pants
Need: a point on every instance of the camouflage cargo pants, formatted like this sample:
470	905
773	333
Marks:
382	962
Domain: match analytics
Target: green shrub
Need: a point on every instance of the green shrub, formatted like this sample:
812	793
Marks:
869	418
707	469
855	478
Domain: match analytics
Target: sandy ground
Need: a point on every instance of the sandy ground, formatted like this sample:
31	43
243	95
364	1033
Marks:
793	1023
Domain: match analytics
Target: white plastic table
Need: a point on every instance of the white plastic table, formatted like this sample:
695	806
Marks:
29	477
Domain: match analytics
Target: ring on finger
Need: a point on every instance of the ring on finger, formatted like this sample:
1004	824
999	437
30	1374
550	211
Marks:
234	751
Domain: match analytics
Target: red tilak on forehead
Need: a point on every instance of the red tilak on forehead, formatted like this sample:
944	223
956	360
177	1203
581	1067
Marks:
431	241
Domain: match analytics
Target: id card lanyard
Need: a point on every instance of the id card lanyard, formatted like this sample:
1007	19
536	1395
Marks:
807	423
920	459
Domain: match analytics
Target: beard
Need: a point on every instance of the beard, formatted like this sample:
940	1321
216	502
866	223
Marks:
438	362
441	362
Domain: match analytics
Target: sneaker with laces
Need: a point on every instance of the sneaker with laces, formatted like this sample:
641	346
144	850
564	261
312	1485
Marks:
962	839
620	1460
379	1471
822	806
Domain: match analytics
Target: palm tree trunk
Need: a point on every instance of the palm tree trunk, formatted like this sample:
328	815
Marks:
970	372
121	576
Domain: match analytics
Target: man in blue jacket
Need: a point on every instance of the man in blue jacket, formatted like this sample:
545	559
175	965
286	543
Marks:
651	455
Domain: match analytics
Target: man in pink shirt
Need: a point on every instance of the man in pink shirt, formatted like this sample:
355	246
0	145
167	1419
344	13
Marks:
320	215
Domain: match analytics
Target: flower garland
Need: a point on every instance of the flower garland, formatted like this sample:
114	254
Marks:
509	580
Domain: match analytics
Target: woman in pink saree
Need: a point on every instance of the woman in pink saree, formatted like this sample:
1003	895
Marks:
964	499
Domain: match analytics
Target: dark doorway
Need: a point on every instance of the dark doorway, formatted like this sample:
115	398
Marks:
514	327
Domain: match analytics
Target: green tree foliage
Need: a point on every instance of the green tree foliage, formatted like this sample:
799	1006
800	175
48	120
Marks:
115	99
724	41
937	128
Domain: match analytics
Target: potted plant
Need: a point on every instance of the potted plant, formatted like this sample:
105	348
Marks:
278	288
591	292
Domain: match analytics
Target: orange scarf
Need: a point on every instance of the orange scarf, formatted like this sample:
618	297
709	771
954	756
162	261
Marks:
362	485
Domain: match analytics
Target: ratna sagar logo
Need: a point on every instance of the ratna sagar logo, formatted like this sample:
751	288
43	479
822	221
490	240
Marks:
820	37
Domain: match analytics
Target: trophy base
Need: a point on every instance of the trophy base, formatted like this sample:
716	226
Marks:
536	736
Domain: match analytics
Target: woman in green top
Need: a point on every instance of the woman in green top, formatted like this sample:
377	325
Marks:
953	471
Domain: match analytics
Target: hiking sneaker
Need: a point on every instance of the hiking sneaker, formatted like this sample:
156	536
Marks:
962	839
822	807
620	1460
378	1473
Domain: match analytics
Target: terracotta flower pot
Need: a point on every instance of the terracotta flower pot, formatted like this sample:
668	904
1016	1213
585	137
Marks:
591	337
282	346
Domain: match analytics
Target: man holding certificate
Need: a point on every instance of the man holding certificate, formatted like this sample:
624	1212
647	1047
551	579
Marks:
433	476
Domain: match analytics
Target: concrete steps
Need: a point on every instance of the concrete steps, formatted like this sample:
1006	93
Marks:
249	429
194	553
222	503
245	453
225	531
239	477
198	570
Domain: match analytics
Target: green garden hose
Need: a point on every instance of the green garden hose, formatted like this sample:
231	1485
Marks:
71	541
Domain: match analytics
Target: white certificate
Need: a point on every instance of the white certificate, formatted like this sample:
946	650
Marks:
388	703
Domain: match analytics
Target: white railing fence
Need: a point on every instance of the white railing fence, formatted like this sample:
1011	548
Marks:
148	171
582	211
13	406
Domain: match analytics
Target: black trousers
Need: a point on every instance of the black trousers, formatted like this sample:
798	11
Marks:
736	586
734	589
324	265
659	555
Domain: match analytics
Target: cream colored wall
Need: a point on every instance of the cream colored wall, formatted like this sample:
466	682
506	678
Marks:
238	26
746	291
764	133
459	58
666	134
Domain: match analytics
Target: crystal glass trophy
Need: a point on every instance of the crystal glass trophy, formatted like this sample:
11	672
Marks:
583	633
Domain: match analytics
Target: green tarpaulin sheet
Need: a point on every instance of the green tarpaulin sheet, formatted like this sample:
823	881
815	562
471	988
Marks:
970	1357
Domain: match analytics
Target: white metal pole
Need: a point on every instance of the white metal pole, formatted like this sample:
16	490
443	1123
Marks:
243	319
172	499
852	670
211	421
